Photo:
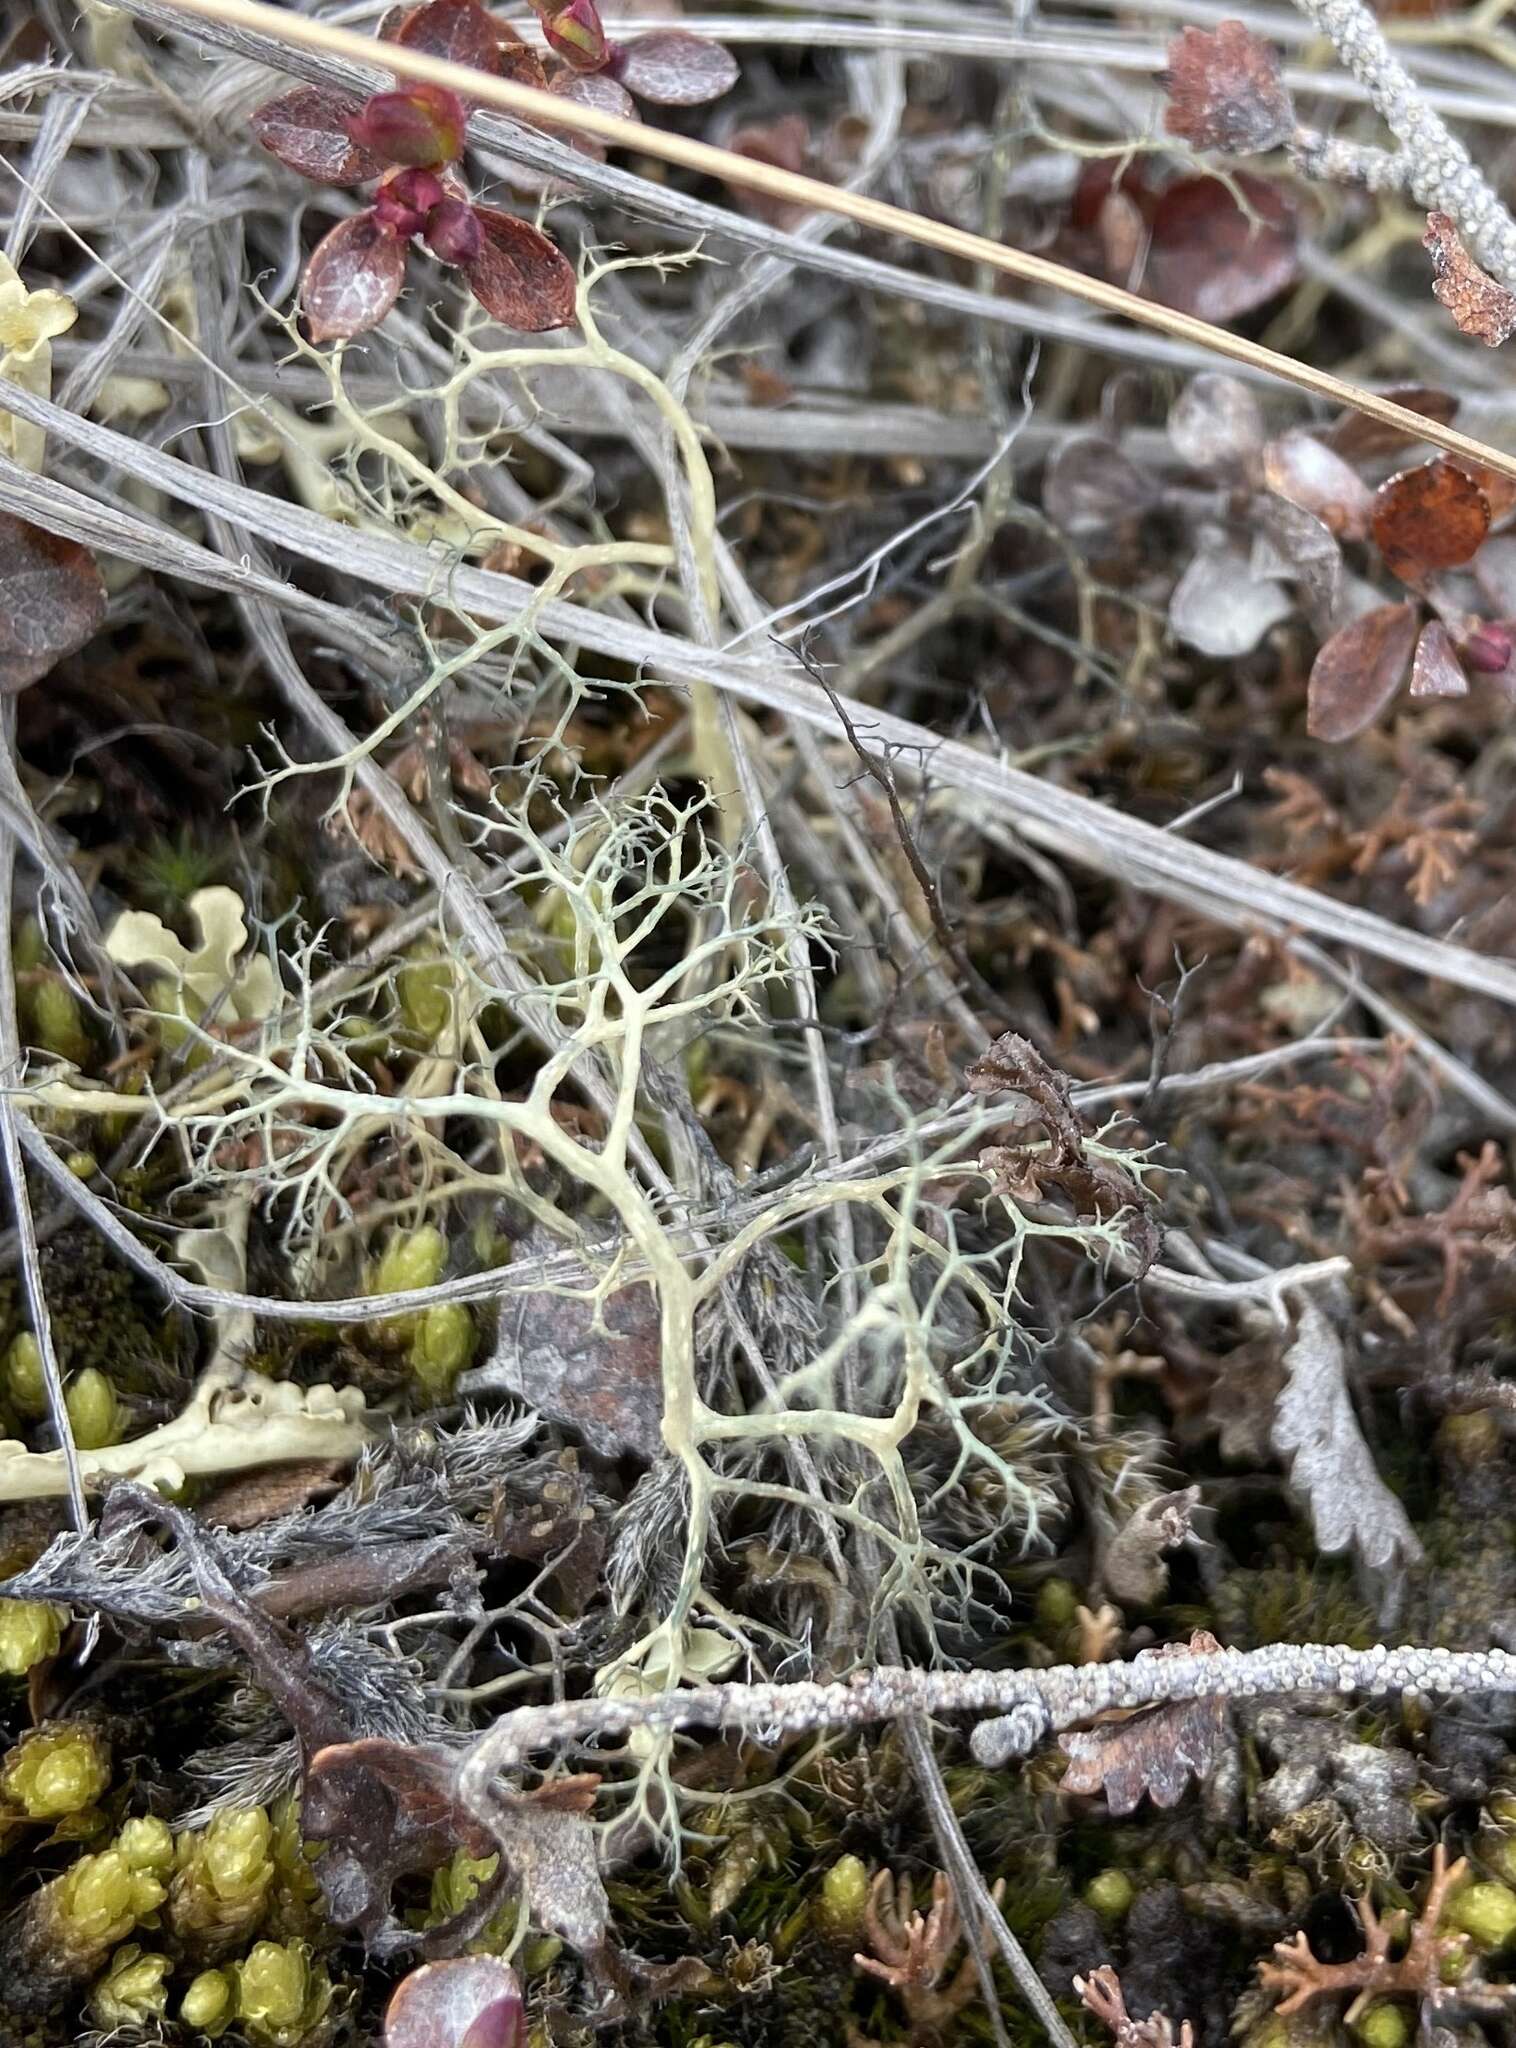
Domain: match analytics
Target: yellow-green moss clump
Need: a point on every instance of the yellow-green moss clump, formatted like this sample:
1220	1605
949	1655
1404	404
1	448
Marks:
56	1770
132	1993
67	1929
281	1993
29	1631
222	1879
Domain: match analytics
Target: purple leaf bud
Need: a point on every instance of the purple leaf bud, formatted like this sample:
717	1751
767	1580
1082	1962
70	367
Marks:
452	232
422	125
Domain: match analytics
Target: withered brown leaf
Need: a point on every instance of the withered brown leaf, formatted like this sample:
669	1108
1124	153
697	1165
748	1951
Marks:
1154	1751
51	601
1479	306
1432	517
1358	671
1215	258
1225	91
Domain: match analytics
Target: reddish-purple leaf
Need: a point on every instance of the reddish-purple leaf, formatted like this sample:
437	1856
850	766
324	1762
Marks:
1209	258
784	143
352	279
519	277
1487	647
405	201
453	233
576	33
673	68
51	601
1437	671
308	130
458	30
469	2002
1359	670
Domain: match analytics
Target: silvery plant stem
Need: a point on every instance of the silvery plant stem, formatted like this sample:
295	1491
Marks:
1440	173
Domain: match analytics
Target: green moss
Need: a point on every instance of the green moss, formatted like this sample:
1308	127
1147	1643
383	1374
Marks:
56	1770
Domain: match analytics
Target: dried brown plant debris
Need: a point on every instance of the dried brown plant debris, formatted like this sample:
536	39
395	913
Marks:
1103	1996
1300	1977
912	1952
1092	1185
1156	1750
1478	1224
1479	305
1225	91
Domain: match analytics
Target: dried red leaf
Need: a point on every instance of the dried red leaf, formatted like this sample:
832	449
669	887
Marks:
1359	670
353	278
1428	518
1210	258
1155	1751
420	125
1304	470
1225	91
786	144
1437	671
673	68
51	601
469	2002
1479	305
519	277
458	30
307	129
1357	438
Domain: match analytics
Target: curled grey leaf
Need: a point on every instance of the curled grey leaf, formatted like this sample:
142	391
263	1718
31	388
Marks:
1316	1431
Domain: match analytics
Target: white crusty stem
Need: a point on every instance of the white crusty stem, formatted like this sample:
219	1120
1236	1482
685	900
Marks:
1026	1706
1440	173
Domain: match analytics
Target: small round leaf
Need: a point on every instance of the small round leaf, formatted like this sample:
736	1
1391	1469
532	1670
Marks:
519	277
673	68
353	278
458	30
308	130
468	2002
1429	518
1359	670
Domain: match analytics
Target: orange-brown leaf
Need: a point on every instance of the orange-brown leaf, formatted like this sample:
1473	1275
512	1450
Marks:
1432	517
1225	91
1479	305
1358	671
